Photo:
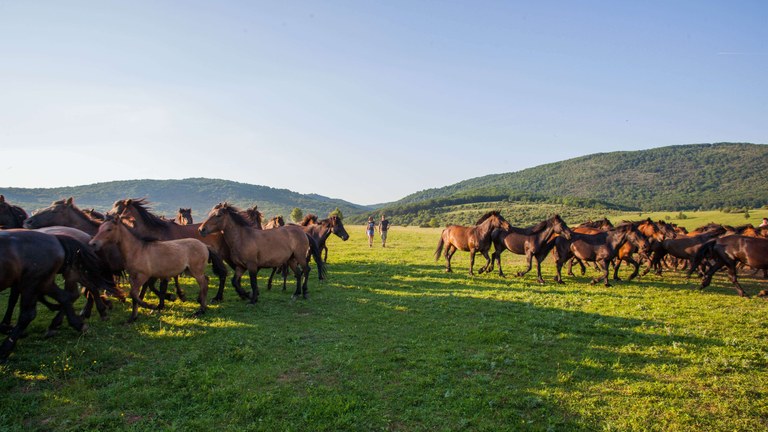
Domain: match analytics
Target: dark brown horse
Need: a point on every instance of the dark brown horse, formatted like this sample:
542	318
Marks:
253	249
472	239
29	262
320	230
728	252
683	247
535	241
11	216
600	248
148	225
184	216
154	259
63	212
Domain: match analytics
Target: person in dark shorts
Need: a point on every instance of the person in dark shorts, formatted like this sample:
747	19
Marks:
383	228
369	230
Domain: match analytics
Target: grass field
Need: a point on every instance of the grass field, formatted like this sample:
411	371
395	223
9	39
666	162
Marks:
392	342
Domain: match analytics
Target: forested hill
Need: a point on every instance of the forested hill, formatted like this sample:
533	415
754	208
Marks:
167	196
679	178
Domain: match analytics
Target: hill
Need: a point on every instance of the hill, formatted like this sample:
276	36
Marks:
167	196
686	177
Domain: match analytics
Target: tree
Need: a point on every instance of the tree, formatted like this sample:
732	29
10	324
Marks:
296	215
337	213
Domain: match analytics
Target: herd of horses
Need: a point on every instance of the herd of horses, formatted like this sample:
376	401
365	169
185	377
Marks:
706	249
94	251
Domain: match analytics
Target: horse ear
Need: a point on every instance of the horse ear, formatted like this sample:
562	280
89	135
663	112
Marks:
2	199
69	201
129	201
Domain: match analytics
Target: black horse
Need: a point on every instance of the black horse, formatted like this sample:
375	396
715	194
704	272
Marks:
535	241
11	216
600	248
29	262
728	252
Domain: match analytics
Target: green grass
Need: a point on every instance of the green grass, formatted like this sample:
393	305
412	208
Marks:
392	342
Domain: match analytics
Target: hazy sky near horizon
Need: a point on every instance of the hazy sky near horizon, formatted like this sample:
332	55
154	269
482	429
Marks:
366	101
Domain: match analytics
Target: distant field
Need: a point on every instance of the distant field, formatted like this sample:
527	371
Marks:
392	342
696	219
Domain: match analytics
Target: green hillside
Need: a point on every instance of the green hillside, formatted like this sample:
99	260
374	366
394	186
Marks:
687	177
168	195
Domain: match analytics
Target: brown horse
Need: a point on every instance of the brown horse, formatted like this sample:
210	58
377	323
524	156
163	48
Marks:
148	225
472	239
155	259
11	216
63	212
184	216
600	248
652	233
729	251
253	249
535	241
275	222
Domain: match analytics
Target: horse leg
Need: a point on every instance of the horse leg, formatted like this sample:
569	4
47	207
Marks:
606	265
27	313
449	251
325	253
616	265
254	285
202	298
5	325
637	268
734	280
163	291
137	281
269	281
236	283
472	262
298	275
528	258
538	272
179	292
65	299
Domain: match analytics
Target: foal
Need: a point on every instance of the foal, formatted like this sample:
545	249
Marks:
145	259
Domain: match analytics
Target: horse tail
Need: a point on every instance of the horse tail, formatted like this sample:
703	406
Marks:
315	251
439	248
219	268
95	273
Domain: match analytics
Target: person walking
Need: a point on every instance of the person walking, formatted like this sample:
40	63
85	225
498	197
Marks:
383	228
764	223
369	230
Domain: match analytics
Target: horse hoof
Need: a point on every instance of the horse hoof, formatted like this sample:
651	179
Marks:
294	297
84	328
104	317
607	285
198	312
50	333
183	298
305	297
215	300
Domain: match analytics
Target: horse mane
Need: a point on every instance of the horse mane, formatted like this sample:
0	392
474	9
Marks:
488	215
119	220
255	215
69	202
742	228
309	219
142	208
539	227
235	213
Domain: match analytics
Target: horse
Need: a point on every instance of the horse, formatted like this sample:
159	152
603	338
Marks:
63	212
600	248
729	251
683	247
275	222
320	230
148	225
653	235
472	239
11	216
146	259
535	241
29	262
253	249
95	214
184	216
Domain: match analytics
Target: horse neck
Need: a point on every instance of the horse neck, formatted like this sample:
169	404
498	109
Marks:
128	243
487	226
233	233
79	220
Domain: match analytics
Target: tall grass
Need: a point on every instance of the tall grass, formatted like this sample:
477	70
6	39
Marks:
392	342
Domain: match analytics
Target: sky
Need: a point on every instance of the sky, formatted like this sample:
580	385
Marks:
366	101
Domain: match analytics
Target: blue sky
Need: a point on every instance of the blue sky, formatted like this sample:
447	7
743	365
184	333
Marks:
366	101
